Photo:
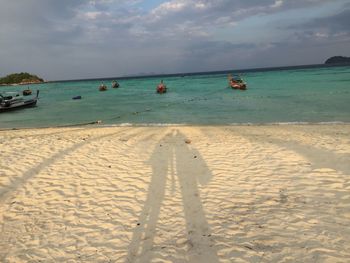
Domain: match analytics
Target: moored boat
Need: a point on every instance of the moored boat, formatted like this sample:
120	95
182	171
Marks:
115	84
27	92
237	83
9	103
102	87
161	88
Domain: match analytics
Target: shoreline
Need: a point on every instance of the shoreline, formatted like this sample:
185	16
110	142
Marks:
99	124
23	84
267	193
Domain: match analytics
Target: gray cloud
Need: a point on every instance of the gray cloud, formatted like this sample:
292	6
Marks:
86	38
323	30
336	23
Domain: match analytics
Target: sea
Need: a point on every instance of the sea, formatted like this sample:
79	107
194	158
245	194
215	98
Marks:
313	94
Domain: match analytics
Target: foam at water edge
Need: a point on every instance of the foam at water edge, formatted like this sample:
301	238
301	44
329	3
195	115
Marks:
227	124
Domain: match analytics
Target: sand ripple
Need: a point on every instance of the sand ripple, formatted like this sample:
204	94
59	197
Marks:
234	194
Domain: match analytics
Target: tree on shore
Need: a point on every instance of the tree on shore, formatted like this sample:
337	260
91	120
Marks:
338	60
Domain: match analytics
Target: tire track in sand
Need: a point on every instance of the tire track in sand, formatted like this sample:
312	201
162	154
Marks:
101	197
30	173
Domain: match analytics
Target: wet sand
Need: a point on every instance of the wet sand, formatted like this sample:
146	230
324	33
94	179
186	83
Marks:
142	194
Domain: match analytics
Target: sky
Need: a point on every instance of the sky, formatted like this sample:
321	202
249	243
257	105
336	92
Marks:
78	39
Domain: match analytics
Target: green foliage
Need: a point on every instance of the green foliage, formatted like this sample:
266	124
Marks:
337	60
17	78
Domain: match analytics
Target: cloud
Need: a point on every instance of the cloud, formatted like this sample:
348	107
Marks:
54	36
339	22
335	26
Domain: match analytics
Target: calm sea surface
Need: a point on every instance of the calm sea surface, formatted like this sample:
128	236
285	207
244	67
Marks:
280	96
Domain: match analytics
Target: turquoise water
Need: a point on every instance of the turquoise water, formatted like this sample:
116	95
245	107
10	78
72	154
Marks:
304	95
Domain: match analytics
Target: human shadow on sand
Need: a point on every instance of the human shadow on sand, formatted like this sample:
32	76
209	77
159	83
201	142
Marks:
173	159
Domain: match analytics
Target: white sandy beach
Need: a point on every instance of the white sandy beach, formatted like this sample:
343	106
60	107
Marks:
141	194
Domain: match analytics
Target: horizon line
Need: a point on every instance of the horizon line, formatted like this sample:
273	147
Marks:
236	71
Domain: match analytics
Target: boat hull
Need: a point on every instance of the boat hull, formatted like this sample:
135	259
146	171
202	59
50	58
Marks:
161	89
17	106
239	86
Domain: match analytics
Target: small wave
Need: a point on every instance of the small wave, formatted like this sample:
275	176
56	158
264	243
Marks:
148	124
222	124
127	124
290	123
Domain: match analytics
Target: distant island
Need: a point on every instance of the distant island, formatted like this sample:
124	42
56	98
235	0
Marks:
22	78
337	60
